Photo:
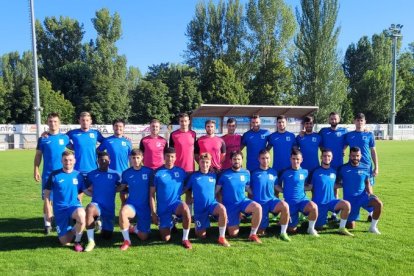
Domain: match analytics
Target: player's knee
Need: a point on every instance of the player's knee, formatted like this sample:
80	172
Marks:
257	207
285	207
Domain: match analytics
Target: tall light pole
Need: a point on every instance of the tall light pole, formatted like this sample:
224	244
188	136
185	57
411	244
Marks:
395	32
37	107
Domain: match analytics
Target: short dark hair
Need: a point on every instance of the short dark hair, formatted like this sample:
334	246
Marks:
333	113
118	120
209	122
326	150
205	155
53	115
307	119
263	151
295	152
354	149
102	154
231	120
255	116
359	116
136	151
183	115
236	152
169	150
280	117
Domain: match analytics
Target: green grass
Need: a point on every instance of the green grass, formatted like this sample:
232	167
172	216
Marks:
25	250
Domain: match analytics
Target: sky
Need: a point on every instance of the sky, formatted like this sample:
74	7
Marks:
154	31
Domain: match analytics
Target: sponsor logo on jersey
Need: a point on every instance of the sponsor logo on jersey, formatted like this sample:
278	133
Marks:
61	180
48	142
61	142
92	135
75	181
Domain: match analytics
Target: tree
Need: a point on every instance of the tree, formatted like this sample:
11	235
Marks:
222	86
150	100
53	101
4	112
319	78
405	64
106	96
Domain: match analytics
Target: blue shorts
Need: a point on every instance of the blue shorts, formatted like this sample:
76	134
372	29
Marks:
267	208
202	219
294	209
166	220
143	217
63	219
323	210
107	217
234	210
358	202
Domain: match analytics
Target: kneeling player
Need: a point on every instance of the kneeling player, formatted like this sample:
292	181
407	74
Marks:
323	194
203	185
292	185
102	184
66	205
233	183
137	179
167	185
358	191
262	188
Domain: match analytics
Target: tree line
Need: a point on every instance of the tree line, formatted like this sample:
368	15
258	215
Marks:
260	53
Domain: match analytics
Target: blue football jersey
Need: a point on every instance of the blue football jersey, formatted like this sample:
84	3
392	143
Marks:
203	186
293	182
138	182
282	144
254	141
309	146
104	186
262	184
335	141
233	185
323	182
118	149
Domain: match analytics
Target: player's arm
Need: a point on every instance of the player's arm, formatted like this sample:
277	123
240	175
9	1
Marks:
154	216
196	152
279	188
222	151
374	157
37	161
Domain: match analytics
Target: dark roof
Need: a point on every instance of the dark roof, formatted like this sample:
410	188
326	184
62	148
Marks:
219	110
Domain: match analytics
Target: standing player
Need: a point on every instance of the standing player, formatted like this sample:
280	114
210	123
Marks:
203	185
51	148
84	142
254	140
118	148
137	180
292	185
212	144
102	184
308	144
66	205
167	185
153	146
322	185
366	143
262	189
333	138
233	184
282	142
232	141
355	180
183	140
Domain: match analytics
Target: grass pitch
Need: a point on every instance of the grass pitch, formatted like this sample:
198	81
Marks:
25	250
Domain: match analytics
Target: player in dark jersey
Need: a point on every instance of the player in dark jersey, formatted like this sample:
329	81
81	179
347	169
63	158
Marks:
50	148
65	184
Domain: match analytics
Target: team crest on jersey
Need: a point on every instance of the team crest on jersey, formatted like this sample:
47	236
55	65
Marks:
242	178
123	143
364	138
301	177
332	175
288	138
145	176
61	142
211	179
314	139
263	136
360	172
158	145
92	135
109	176
75	181
271	177
338	134
176	174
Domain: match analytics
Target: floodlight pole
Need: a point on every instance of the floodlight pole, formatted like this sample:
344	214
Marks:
395	33
37	108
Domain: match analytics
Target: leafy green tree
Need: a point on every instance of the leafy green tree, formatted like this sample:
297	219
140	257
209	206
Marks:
319	78
406	76
53	101
150	100
4	112
222	86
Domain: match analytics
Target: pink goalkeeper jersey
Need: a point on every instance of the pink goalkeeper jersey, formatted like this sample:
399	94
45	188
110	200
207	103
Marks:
183	142
213	145
153	149
233	142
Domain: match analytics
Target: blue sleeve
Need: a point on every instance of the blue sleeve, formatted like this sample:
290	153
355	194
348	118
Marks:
189	182
152	181
100	136
339	175
371	141
295	144
49	182
248	178
243	142
102	146
38	147
88	182
81	183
